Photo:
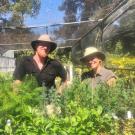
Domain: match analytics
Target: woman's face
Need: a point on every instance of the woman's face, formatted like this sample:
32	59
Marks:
42	50
94	63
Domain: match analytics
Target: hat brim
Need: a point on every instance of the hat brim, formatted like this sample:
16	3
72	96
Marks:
99	55
53	45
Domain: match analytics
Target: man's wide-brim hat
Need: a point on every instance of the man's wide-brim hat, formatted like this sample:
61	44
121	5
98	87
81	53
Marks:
92	52
45	39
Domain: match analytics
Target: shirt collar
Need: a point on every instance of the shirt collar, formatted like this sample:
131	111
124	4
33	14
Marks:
47	60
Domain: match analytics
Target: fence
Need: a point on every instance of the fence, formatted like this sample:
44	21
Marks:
7	64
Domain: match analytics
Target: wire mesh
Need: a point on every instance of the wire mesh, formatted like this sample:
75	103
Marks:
15	38
113	28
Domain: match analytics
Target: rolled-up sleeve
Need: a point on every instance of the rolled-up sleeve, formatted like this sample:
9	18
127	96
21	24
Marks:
110	75
61	71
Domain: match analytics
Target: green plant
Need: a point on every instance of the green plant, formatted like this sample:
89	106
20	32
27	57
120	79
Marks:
82	111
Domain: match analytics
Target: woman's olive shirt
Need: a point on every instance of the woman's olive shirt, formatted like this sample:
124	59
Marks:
94	79
51	69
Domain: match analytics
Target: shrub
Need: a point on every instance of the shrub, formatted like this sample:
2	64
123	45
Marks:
83	110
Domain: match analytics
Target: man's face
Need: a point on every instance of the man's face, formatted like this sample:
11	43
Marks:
94	63
43	49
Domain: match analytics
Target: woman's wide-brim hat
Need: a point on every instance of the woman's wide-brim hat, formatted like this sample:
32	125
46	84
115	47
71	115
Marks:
46	40
92	52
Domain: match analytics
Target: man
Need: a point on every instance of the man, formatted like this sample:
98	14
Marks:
40	65
98	74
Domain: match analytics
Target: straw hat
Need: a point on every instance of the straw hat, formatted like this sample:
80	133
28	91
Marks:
91	52
44	39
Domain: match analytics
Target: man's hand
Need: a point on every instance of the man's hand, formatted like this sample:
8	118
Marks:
62	87
16	84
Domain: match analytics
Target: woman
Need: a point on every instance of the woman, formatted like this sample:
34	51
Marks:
98	74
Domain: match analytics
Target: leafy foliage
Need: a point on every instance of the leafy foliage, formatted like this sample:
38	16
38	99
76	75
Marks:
82	110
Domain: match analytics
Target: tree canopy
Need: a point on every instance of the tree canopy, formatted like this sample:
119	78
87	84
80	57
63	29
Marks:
17	9
82	10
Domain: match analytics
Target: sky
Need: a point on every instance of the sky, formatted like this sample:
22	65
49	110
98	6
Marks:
48	14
